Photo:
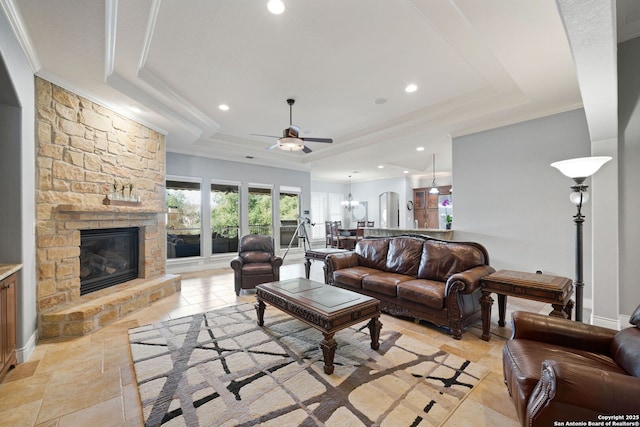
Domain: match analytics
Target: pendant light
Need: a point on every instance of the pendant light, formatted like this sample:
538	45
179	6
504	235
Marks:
434	188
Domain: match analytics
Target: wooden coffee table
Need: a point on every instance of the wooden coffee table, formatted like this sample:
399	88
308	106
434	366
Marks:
554	290
323	307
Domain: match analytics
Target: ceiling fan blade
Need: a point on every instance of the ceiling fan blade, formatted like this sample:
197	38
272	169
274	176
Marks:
271	147
268	136
307	149
327	140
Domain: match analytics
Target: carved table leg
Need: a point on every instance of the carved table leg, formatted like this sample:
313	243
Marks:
558	311
374	330
502	305
485	304
307	267
260	305
328	346
569	308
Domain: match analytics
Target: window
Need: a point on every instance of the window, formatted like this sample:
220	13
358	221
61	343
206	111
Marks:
318	214
183	218
225	217
260	211
289	214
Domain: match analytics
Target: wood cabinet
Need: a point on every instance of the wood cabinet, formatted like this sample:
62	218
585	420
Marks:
8	323
425	206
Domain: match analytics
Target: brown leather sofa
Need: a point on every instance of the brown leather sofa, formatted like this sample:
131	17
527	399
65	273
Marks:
256	262
416	276
557	370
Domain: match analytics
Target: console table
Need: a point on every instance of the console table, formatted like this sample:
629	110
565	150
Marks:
319	254
545	288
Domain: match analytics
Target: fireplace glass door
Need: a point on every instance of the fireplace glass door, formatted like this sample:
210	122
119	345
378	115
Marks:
107	257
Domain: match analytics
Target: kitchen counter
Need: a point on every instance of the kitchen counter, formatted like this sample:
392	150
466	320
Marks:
432	232
7	270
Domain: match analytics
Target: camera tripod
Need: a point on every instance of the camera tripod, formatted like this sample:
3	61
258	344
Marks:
301	232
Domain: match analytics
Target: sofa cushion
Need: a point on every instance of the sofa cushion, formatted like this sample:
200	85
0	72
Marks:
427	292
352	276
384	283
255	268
635	317
625	349
441	260
372	253
403	256
255	256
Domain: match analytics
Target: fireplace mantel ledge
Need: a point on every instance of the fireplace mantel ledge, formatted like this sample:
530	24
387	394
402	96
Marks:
106	209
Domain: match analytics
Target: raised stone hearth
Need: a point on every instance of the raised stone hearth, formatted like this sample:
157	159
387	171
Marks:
97	309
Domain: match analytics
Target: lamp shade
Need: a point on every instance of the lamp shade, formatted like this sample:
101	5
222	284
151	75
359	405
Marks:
581	167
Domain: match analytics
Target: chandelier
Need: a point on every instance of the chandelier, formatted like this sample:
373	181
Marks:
349	204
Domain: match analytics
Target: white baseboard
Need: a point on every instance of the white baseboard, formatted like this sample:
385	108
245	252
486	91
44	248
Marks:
605	322
23	354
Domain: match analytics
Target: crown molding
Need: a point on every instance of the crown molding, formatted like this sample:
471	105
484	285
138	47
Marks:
17	25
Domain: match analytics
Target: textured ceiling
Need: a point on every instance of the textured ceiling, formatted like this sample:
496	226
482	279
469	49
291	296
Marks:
477	65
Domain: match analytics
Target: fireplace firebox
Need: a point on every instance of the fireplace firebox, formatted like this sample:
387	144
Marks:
107	257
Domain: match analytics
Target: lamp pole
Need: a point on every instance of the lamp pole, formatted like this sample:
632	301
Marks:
578	219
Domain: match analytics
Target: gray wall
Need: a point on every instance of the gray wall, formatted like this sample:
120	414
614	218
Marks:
508	198
629	173
17	166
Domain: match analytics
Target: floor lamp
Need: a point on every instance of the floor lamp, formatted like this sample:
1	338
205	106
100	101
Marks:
579	169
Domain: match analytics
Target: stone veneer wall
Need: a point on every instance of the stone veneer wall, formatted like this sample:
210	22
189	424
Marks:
82	148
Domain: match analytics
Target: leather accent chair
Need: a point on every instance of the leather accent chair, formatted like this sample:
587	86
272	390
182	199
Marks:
559	370
256	262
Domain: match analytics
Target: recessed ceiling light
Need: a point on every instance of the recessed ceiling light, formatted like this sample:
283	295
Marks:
223	107
275	6
405	171
419	148
380	166
411	88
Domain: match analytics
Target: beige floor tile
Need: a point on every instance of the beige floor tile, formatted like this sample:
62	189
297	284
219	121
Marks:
72	390
22	415
20	392
109	413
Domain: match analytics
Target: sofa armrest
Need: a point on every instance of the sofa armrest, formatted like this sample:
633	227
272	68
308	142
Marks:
236	263
564	332
572	392
468	281
335	262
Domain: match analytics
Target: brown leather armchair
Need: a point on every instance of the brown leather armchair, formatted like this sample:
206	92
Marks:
559	370
256	262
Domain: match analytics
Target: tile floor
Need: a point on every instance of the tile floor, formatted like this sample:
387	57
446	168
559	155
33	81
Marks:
90	381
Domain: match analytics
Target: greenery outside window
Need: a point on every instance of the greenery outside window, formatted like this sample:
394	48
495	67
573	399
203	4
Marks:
289	214
184	225
260	211
225	217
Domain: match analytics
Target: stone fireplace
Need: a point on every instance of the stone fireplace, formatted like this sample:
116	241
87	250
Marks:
84	150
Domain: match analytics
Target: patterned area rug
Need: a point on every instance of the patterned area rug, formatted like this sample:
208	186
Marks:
221	369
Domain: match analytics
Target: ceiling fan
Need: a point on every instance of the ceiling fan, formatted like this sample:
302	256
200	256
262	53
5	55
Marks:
291	139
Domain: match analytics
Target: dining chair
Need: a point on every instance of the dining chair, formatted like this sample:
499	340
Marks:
371	223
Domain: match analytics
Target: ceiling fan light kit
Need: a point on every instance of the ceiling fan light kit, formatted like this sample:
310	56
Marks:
291	140
288	143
